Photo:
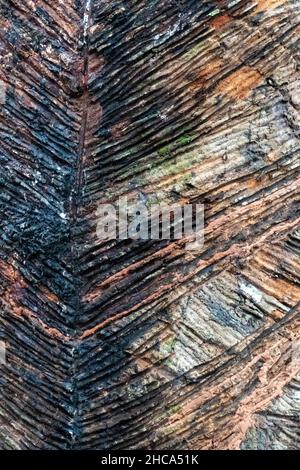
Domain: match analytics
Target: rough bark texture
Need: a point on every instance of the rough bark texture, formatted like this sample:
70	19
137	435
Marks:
144	344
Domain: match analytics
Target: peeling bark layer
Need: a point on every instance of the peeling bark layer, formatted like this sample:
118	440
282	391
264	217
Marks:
127	344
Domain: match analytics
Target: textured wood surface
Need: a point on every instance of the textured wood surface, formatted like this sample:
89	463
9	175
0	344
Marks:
126	344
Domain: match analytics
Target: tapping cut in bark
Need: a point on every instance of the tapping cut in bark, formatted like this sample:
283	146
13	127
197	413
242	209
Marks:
126	344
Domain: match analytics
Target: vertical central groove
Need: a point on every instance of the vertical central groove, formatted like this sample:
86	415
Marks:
85	99
74	429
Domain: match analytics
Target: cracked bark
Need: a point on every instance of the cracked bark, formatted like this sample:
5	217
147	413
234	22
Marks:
123	344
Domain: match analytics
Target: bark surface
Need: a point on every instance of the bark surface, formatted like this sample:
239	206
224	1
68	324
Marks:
143	344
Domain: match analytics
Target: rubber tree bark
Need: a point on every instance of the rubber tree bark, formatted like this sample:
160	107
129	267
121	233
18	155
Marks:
144	344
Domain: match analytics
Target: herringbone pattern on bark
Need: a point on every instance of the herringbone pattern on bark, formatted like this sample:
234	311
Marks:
127	344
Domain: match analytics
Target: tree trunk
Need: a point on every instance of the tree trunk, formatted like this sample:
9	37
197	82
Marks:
128	344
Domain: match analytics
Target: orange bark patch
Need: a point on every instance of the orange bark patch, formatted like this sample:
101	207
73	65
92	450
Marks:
222	3
25	99
264	5
204	74
272	156
118	129
96	64
95	114
50	295
13	287
12	276
240	83
220	21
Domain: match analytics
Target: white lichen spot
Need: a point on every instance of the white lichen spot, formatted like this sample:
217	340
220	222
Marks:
161	38
251	292
3	89
214	12
295	99
2	352
234	2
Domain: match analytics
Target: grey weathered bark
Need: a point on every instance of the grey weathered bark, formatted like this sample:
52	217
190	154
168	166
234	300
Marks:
144	344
